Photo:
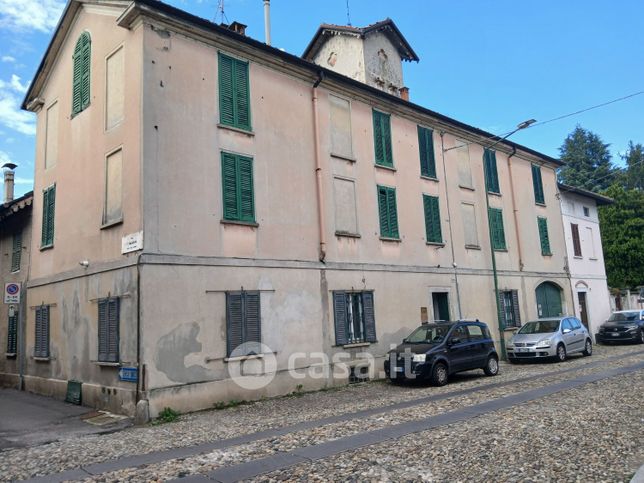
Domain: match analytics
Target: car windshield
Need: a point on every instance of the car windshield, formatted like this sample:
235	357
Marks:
428	334
540	327
624	317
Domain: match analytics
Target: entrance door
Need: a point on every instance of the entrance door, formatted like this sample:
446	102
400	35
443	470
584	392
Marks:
583	311
440	301
548	300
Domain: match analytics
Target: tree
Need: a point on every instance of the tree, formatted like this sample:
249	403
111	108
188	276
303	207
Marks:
622	229
587	161
632	176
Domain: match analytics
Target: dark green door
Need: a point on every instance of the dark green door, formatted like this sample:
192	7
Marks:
440	301
548	300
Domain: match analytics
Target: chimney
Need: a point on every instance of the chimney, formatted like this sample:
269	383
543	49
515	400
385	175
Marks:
237	27
267	21
8	181
404	93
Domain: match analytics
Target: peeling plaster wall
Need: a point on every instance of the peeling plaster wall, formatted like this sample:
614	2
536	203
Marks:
343	54
383	64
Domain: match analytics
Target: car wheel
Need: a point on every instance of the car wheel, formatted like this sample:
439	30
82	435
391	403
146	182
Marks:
492	366
588	350
641	336
439	374
561	353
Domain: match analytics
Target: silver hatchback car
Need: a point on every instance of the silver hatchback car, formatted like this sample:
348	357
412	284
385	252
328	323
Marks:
547	338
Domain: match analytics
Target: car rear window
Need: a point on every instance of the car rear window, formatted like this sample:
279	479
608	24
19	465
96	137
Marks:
475	332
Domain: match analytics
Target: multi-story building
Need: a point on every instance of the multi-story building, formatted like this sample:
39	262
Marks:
201	192
585	254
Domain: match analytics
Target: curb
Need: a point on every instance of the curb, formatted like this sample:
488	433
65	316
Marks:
639	476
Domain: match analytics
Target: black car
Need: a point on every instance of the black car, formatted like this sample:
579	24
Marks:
434	351
622	326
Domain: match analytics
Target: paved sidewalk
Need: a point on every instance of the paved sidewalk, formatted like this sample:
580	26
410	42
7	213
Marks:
29	419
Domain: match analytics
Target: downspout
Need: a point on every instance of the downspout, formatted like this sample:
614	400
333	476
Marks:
318	168
140	386
515	210
451	237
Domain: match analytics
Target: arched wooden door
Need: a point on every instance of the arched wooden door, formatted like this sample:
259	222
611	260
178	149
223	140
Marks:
548	300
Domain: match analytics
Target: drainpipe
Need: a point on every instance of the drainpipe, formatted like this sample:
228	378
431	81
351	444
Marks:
494	272
318	168
451	237
514	209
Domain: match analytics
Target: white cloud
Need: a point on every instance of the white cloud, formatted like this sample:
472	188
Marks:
10	114
8	59
4	158
41	15
19	180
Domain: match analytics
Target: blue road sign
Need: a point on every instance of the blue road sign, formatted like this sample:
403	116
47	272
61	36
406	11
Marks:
128	374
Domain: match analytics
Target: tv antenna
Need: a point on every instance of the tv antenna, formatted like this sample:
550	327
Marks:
221	12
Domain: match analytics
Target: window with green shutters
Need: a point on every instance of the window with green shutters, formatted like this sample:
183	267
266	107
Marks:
543	236
354	317
12	332
496	229
41	341
16	252
234	92
48	215
432	219
426	148
237	187
382	139
108	329
491	174
243	323
81	73
537	185
388	212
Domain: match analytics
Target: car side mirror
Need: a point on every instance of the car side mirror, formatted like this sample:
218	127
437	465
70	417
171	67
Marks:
405	340
454	341
565	331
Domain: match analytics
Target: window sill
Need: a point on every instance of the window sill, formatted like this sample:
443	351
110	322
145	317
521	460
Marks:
15	272
251	224
494	194
351	159
384	166
11	355
546	254
502	250
435	244
469	188
46	247
41	359
473	247
540	204
429	178
388	239
347	234
236	129
356	344
243	358
106	364
109	224
594	259
578	257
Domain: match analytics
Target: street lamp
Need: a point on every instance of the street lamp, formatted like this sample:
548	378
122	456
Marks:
523	125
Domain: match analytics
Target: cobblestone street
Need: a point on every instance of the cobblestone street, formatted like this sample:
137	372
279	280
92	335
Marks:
580	420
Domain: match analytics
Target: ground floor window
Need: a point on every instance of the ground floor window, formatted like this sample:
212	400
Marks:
41	343
12	332
354	317
243	323
509	306
108	329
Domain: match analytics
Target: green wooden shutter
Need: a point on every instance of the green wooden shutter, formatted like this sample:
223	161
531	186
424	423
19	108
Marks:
242	94
369	317
12	334
103	331
81	73
543	236
491	174
16	252
113	329
382	211
515	308
51	211
230	186
340	317
426	147
41	348
392	212
382	138
226	93
246	196
537	184
386	134
86	56
433	232
496	229
252	330
45	215
234	322
77	78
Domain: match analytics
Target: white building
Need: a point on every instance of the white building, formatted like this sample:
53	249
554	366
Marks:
585	255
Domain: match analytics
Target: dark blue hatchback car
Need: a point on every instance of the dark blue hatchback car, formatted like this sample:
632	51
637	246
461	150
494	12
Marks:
434	351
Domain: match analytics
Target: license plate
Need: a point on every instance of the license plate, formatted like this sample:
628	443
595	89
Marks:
523	349
399	369
615	334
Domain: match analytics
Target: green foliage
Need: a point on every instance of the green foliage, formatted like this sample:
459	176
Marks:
167	415
622	229
632	176
587	161
228	404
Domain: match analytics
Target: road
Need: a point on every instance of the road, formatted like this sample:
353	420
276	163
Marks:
579	420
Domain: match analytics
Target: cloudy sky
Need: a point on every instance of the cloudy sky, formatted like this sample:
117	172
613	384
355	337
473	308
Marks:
490	63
